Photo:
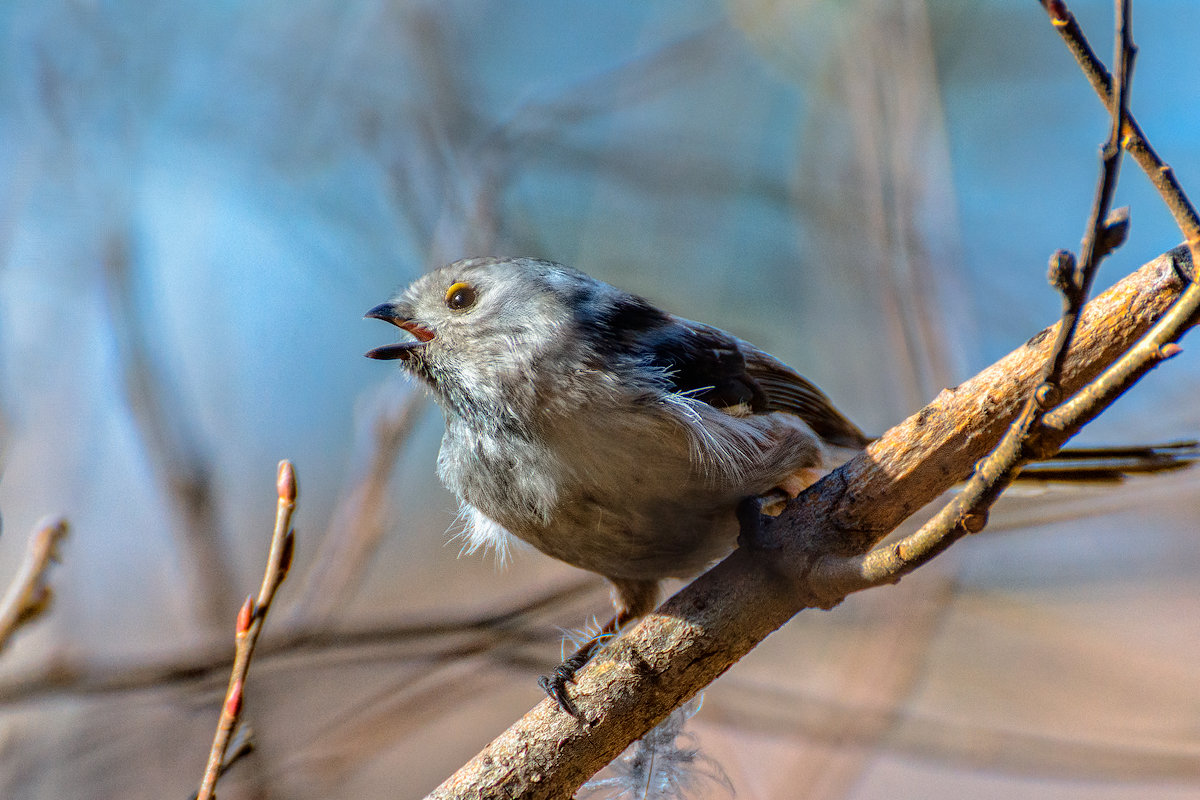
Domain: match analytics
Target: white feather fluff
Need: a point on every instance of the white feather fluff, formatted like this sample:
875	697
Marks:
665	764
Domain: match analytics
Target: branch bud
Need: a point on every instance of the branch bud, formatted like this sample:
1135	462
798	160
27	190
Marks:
1169	350
1062	272
1112	235
1057	9
286	482
245	616
1047	396
233	703
974	523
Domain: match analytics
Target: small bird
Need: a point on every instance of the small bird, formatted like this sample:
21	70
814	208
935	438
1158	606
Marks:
603	431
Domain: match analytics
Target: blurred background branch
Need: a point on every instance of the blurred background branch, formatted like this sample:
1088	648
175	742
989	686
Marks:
361	518
170	445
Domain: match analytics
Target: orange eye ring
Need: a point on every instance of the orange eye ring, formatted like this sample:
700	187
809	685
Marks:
460	296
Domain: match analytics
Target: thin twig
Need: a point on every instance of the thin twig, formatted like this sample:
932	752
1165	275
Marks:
1026	439
1133	140
249	626
29	594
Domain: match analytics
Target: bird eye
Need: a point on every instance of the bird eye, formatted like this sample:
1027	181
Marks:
460	296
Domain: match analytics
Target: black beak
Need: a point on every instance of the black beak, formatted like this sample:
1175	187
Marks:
397	314
387	312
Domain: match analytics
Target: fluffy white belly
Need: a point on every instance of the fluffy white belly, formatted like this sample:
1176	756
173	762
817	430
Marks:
640	494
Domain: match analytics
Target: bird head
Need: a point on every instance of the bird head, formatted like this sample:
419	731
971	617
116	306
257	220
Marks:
479	322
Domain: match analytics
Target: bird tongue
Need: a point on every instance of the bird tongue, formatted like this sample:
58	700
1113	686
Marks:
389	352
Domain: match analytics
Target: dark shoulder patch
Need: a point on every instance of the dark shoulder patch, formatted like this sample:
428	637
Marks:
618	325
632	314
707	364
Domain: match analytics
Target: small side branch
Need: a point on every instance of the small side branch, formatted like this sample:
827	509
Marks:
249	626
29	594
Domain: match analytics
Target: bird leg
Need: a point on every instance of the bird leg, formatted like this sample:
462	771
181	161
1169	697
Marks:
555	684
631	599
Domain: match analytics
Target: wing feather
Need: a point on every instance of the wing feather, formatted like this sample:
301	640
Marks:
788	390
713	366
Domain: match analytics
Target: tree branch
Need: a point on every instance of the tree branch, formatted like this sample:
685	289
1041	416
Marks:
700	632
824	546
1133	140
1028	437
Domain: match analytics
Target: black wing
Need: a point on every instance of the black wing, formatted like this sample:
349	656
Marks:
711	365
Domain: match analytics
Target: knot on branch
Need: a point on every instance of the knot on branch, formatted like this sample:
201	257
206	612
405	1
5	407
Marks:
974	522
1048	395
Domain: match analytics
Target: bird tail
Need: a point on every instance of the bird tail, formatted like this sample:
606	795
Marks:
1112	464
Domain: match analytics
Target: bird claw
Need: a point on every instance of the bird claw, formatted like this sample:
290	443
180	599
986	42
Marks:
555	686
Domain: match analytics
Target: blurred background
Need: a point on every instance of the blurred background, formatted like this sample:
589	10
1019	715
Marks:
200	201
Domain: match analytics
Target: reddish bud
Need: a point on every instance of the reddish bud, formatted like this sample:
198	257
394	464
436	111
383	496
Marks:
1169	350
245	616
233	703
286	483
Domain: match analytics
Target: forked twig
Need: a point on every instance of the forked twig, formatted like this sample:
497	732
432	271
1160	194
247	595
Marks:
249	625
1133	139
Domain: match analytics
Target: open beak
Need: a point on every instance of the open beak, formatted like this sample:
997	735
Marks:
395	313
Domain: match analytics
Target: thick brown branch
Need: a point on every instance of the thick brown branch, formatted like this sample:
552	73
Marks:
708	626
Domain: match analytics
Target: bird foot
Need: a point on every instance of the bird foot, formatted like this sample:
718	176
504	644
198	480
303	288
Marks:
555	685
